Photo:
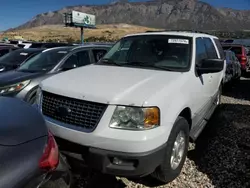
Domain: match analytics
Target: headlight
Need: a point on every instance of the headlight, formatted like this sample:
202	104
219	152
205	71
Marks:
135	118
14	88
38	96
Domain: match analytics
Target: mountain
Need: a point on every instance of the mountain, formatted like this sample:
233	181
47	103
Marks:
168	14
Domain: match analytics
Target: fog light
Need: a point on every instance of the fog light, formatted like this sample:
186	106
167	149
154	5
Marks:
117	161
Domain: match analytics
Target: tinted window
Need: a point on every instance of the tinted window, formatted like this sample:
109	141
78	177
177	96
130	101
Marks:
151	51
15	57
201	52
235	49
211	51
3	52
219	47
98	54
44	61
77	59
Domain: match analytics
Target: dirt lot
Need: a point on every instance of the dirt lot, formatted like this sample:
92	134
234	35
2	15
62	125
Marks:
220	157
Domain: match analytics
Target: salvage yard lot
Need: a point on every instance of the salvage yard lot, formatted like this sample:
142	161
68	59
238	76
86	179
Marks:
220	157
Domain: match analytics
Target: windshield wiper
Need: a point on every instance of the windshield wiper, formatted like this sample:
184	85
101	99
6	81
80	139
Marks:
146	64
109	62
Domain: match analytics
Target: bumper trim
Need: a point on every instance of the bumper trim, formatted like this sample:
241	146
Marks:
131	164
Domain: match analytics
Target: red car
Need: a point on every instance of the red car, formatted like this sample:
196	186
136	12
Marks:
240	52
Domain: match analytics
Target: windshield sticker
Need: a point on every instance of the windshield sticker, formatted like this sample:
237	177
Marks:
62	52
178	41
23	53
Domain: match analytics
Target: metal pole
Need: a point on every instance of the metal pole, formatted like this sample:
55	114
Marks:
82	36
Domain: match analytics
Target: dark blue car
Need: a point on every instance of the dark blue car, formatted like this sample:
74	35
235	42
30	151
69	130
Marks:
233	67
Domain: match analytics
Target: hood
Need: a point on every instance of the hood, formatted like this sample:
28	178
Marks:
12	77
20	122
110	84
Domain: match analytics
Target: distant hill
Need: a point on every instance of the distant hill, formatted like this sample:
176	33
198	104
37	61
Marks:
174	14
110	32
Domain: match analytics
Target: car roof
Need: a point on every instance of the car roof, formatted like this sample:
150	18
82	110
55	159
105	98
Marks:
7	47
91	46
235	45
29	50
177	33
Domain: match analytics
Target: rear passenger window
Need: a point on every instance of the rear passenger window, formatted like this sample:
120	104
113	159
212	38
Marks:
218	44
211	51
201	52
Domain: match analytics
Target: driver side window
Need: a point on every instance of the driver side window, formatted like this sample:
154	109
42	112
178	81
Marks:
201	52
71	62
77	59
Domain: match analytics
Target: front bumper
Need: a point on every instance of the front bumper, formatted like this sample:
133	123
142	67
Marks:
111	162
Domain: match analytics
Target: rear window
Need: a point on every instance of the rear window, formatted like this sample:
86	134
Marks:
235	49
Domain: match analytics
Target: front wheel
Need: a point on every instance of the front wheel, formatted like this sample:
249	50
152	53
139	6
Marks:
175	153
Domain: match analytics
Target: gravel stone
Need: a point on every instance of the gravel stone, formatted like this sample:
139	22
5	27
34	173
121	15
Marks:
219	158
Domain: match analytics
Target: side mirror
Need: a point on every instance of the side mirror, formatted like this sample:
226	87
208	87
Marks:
210	66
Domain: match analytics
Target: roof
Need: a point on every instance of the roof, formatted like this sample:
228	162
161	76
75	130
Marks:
29	50
91	46
230	44
177	33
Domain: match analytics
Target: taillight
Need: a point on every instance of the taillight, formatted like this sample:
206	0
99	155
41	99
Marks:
243	58
50	158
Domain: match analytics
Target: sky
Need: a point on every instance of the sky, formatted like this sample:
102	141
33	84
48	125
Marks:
17	12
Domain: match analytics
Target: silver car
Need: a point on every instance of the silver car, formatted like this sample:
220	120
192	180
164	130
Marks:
23	82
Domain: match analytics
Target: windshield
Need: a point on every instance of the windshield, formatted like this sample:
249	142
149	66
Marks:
151	51
15	57
44	61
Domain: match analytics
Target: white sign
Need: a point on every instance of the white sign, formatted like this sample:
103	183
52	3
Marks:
83	18
178	41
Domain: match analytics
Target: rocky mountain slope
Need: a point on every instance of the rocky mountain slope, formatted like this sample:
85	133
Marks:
168	14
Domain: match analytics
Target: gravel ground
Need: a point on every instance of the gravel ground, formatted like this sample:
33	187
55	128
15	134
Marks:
220	157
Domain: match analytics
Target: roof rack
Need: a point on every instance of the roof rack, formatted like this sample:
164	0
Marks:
191	31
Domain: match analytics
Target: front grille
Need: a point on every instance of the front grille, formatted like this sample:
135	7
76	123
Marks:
84	114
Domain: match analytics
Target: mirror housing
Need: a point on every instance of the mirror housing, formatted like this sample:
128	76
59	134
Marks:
210	66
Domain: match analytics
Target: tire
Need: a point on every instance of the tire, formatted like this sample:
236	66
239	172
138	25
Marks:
166	172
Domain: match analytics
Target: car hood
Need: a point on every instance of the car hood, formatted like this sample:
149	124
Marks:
110	84
20	123
12	77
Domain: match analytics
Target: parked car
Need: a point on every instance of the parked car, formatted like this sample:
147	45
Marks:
48	45
6	49
132	113
14	59
240	53
23	82
29	155
233	67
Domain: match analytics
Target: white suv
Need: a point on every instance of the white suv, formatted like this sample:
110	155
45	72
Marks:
132	113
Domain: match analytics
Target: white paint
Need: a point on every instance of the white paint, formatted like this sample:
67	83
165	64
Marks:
178	41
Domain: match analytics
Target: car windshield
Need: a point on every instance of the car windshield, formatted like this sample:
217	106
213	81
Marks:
44	61
15	57
151	51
